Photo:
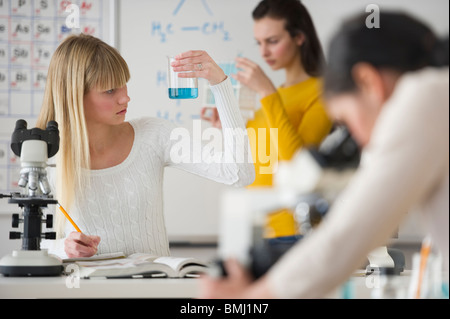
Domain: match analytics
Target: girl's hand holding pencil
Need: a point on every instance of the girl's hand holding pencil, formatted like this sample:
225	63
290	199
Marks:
78	244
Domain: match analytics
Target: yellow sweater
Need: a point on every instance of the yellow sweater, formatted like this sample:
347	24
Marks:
299	115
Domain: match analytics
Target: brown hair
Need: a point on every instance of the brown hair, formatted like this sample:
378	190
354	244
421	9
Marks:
298	20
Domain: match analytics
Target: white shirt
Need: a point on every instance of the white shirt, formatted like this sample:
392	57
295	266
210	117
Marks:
124	204
408	170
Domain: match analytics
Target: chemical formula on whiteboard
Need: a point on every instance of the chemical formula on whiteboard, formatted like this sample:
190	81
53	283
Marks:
163	31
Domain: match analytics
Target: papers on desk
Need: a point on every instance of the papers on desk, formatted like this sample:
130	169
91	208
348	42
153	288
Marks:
138	266
96	257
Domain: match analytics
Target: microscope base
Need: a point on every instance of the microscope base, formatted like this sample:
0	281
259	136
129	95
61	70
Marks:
26	263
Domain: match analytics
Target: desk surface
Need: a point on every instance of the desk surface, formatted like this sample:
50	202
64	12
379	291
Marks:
63	287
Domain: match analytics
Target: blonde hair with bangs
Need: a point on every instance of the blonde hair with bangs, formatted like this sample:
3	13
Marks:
80	63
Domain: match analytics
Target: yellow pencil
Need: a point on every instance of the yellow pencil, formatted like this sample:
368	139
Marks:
68	217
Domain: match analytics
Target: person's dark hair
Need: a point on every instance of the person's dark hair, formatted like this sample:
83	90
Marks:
298	20
401	43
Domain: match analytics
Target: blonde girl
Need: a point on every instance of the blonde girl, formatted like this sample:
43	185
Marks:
109	171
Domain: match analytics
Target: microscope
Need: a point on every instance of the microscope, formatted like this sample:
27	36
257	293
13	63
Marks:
34	147
307	185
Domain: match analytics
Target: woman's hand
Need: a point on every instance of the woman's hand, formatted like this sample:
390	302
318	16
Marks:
198	64
253	77
80	245
211	114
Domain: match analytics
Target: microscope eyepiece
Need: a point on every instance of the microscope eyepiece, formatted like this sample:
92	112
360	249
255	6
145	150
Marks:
52	138
21	134
21	125
52	125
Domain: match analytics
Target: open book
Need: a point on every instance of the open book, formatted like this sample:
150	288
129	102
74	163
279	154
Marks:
141	265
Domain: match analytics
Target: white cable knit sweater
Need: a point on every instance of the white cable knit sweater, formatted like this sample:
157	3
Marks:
124	204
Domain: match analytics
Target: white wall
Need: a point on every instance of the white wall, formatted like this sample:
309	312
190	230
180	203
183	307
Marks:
328	14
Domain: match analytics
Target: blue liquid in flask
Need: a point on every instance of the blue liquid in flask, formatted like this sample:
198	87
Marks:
184	93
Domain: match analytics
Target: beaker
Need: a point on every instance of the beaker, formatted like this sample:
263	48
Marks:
181	88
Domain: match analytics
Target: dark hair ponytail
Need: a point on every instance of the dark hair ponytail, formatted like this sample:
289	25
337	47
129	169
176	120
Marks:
298	20
402	43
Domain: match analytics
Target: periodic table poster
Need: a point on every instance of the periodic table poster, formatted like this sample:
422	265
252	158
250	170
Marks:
30	31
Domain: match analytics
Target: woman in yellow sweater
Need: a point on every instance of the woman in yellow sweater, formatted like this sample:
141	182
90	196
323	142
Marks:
288	41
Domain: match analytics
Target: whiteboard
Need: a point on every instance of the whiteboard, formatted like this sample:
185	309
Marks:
152	29
30	32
